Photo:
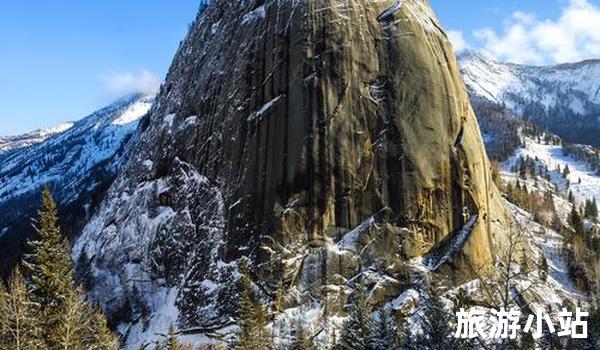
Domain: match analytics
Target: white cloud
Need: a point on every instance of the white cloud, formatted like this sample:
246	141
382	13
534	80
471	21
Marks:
574	36
457	39
119	84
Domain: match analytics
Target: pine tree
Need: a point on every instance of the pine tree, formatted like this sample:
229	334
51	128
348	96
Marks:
83	271
100	336
66	321
566	171
437	330
524	262
19	327
593	340
253	317
576	222
246	307
386	332
587	209
172	342
358	328
543	268
3	301
522	168
72	324
571	197
556	224
3	298
301	341
49	267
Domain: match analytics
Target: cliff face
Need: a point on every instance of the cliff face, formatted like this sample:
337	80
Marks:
318	139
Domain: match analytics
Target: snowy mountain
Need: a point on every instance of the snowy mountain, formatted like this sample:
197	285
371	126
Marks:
564	99
77	160
9	143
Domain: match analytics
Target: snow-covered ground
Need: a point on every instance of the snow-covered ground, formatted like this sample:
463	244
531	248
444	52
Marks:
548	242
553	156
559	286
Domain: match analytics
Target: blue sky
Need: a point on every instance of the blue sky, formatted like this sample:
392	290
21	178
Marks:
535	32
63	59
470	15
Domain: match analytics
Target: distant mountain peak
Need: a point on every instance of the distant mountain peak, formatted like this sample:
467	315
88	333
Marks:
564	98
9	143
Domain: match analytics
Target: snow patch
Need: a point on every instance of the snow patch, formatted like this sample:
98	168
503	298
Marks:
349	240
168	120
389	12
134	112
440	255
266	108
259	12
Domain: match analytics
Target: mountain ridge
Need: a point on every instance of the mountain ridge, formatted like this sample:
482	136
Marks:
78	163
563	98
11	142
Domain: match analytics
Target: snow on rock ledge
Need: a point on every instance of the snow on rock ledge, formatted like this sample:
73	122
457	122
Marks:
148	246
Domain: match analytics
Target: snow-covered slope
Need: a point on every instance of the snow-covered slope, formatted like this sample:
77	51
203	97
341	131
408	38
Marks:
64	159
583	181
9	143
77	160
563	98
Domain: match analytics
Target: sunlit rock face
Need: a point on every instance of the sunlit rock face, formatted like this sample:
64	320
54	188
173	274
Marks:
318	140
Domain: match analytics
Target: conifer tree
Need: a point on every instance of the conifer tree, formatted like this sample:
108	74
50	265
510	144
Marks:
543	268
19	327
72	325
302	341
566	171
253	317
49	266
576	222
437	330
522	168
556	224
571	197
3	300
524	262
358	328
172	342
83	271
66	320
386	332
100	336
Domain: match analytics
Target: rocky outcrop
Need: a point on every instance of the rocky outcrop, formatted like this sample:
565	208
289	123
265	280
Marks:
319	140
